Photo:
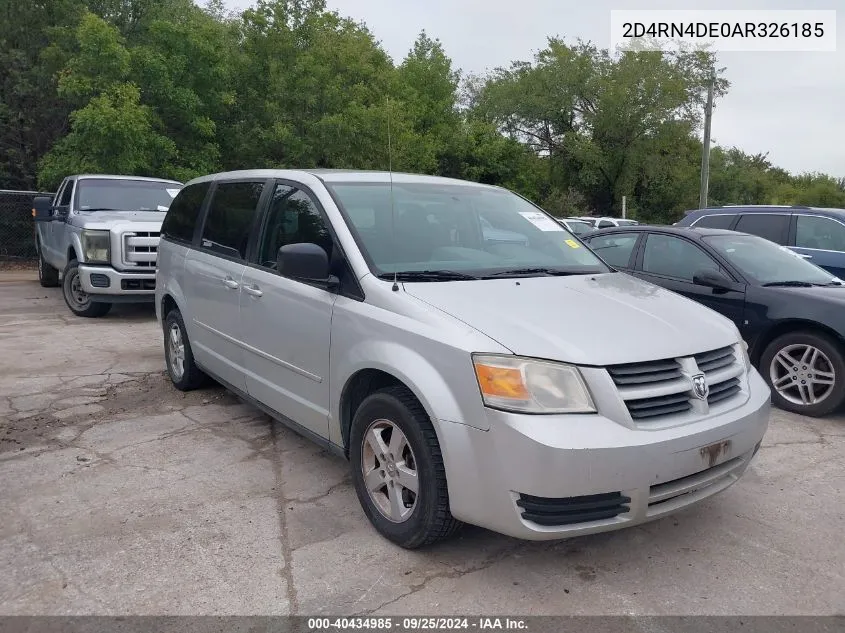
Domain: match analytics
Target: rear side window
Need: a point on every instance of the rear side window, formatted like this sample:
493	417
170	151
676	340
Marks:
182	215
230	217
615	249
715	221
820	233
766	225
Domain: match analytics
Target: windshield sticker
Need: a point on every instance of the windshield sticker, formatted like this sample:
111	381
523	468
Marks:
573	244
541	221
172	192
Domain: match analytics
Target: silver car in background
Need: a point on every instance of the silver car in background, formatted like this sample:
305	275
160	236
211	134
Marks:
372	313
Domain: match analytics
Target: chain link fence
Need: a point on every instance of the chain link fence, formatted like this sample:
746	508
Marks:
17	229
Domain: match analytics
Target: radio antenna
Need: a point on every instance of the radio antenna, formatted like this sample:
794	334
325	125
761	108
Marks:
395	287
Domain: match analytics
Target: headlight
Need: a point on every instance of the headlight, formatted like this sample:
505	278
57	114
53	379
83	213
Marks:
531	386
96	246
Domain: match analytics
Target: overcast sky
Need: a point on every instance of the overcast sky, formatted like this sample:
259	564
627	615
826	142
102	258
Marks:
791	105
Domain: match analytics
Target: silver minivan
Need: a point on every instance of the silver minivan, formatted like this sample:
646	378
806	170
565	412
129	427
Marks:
521	385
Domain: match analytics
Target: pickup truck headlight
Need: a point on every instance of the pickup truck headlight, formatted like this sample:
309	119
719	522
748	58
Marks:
527	385
96	246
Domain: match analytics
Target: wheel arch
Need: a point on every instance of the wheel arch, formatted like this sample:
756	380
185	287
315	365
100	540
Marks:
788	327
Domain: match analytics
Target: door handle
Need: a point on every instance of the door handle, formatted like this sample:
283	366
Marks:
253	290
231	283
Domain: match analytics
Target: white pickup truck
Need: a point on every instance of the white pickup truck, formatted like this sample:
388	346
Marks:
102	233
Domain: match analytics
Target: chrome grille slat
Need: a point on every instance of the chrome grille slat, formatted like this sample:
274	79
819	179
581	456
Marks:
140	249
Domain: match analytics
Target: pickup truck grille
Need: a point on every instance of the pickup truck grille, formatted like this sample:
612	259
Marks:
662	390
140	249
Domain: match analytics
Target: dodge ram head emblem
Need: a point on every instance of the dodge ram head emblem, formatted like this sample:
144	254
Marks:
699	386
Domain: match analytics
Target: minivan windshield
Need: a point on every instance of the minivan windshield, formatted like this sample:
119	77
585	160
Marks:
437	232
768	263
112	194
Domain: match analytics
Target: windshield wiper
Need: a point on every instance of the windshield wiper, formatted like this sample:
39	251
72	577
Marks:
520	272
428	275
793	284
100	209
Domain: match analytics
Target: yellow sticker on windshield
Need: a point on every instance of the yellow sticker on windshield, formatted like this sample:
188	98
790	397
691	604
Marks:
573	244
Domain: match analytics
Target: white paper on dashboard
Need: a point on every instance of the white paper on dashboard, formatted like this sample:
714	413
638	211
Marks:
541	221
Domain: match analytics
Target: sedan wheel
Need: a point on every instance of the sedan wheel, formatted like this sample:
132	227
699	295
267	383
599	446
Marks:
805	371
802	374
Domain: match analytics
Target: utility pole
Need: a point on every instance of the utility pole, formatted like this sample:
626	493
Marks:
624	206
705	149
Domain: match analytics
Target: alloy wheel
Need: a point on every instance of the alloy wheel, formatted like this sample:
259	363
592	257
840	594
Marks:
802	374
390	470
176	351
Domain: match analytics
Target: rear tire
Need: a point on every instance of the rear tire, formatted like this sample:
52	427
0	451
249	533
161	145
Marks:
183	371
813	383
48	276
78	300
393	448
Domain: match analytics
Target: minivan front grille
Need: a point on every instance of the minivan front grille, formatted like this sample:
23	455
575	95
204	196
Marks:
662	389
140	249
569	510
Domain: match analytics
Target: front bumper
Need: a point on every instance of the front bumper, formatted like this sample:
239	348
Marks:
104	283
544	461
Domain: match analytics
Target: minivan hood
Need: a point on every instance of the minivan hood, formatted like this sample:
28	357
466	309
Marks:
602	319
99	218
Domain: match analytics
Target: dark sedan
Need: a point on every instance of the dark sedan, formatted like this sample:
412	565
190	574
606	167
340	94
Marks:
790	312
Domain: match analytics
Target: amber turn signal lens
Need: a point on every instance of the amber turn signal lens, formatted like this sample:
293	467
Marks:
504	382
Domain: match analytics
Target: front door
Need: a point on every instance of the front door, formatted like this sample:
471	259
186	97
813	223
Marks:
671	262
287	323
213	278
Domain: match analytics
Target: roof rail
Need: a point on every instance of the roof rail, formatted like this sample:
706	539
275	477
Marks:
765	206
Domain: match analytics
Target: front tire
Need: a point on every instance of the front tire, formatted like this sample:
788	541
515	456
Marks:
398	471
76	298
48	276
183	371
806	373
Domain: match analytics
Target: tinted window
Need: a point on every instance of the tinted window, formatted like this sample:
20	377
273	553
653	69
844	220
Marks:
768	225
66	193
817	232
675	257
615	249
230	217
603	224
715	221
293	219
183	213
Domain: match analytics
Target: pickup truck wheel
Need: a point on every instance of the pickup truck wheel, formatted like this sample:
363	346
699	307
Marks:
76	298
397	469
183	371
48	276
806	373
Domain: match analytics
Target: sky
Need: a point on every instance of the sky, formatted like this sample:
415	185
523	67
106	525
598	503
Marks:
789	105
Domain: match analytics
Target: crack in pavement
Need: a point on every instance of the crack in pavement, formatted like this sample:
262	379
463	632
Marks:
284	539
452	573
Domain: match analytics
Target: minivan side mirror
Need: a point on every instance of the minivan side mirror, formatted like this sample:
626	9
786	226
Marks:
712	279
42	208
305	261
